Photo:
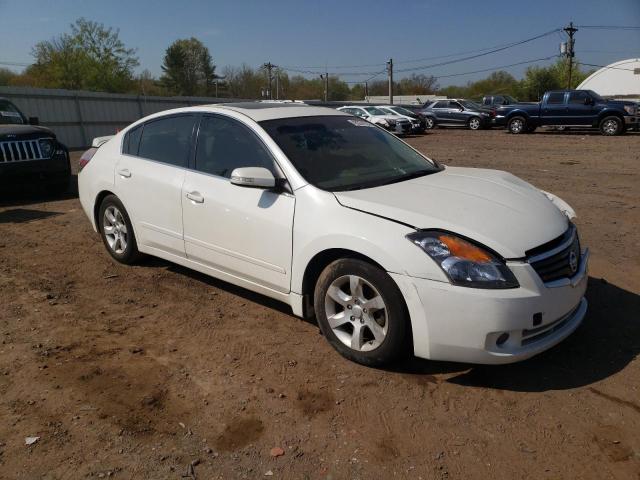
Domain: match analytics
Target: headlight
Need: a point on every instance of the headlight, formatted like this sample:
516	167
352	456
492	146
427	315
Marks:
630	109
46	147
464	263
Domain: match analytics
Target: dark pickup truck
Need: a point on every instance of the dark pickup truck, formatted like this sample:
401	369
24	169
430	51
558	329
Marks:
30	154
570	108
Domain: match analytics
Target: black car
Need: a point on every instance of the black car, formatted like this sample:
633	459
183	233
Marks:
30	154
458	113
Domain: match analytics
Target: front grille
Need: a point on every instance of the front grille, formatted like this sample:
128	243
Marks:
561	260
20	150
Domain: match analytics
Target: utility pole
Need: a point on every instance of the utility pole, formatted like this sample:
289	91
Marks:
570	30
366	90
269	66
390	74
277	85
325	77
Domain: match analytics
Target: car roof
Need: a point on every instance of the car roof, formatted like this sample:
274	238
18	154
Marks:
258	111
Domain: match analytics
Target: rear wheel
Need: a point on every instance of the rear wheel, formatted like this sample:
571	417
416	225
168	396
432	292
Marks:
517	125
474	123
116	230
611	126
361	312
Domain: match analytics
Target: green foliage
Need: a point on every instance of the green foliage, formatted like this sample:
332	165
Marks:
188	68
6	76
91	57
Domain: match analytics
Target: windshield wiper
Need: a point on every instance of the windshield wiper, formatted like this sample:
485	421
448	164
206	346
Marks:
409	176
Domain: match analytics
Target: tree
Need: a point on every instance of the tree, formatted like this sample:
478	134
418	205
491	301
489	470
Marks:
188	68
6	76
91	57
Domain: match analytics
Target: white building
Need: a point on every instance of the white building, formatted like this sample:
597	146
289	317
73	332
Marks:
618	80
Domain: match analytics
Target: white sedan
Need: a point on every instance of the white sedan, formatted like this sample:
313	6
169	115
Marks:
392	252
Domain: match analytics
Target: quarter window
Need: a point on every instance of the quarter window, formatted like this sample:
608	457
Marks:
555	98
225	144
132	141
167	140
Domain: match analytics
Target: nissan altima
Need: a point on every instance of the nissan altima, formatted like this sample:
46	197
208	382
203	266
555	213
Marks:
392	252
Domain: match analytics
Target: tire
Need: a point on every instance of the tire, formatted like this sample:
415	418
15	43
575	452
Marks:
370	327
610	126
474	123
517	125
430	123
121	244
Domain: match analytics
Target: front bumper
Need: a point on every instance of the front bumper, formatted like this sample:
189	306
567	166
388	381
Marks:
464	324
51	170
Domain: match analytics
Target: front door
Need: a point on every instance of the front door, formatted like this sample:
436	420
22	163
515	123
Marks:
243	232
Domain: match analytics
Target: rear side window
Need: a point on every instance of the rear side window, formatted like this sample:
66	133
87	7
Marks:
440	105
132	141
225	144
167	140
555	98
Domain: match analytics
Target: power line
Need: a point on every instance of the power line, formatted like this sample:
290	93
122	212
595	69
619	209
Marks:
606	66
494	49
15	64
610	27
496	68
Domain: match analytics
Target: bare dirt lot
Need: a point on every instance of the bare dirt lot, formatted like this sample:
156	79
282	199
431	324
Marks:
140	372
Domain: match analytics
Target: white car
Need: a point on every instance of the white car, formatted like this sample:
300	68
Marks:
393	253
396	111
388	121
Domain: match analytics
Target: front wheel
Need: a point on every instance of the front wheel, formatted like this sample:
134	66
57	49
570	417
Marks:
361	312
474	123
517	125
116	230
611	126
429	123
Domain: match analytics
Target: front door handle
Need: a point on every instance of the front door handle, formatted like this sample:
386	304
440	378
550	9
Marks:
124	173
195	197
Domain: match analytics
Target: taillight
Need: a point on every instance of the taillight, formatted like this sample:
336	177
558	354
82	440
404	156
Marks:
86	157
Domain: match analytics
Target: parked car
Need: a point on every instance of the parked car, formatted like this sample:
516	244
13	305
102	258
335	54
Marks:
570	108
379	117
30	154
418	125
458	113
392	252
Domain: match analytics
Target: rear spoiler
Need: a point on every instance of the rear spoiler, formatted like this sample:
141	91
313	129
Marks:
99	141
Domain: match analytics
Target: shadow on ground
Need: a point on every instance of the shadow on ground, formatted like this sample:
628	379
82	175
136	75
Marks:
19	195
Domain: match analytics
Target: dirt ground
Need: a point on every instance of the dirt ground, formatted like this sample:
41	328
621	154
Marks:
154	371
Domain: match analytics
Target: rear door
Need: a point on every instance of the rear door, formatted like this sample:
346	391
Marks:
149	177
554	109
246	233
441	111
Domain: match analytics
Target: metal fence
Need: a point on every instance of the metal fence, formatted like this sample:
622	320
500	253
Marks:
78	116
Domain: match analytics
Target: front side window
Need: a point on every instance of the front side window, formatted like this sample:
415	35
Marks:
224	144
578	98
555	98
337	153
455	105
167	140
9	114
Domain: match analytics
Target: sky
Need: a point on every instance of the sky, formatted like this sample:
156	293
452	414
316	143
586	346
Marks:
358	35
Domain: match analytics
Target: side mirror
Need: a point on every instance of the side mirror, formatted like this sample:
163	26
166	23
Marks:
34	121
254	177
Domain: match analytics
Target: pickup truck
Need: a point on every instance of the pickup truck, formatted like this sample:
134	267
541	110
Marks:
570	108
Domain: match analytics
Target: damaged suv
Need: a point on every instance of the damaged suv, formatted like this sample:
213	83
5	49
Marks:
30	155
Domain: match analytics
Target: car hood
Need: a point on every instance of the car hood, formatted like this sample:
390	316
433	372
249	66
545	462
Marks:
23	131
492	207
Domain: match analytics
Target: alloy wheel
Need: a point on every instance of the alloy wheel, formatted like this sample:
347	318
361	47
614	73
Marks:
356	313
115	229
610	127
474	123
516	125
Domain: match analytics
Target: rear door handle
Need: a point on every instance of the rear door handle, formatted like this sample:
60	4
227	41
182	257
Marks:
124	173
195	197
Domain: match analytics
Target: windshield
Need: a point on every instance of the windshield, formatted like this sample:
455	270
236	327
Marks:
388	111
375	111
10	114
339	153
470	105
404	111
